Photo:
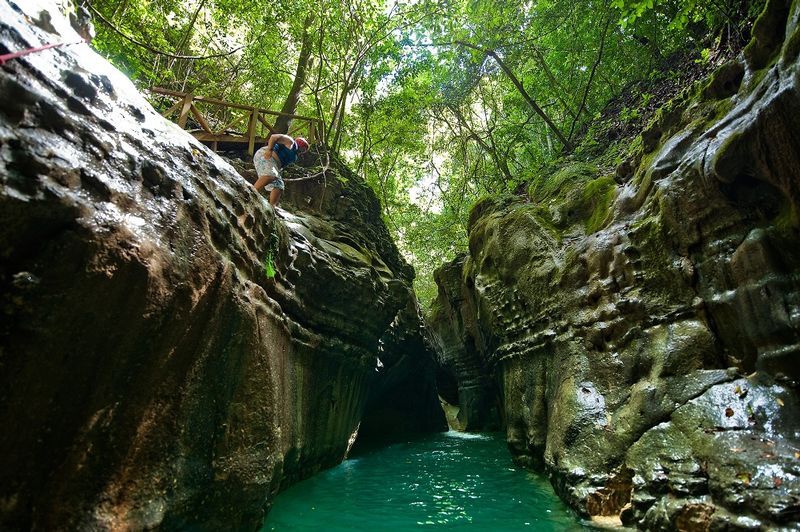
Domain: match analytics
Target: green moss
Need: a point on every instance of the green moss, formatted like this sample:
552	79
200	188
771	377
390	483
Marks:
636	147
669	115
648	231
792	48
756	78
612	155
787	219
486	205
721	109
686	112
558	185
535	219
706	114
542	215
725	82
642	176
600	195
768	34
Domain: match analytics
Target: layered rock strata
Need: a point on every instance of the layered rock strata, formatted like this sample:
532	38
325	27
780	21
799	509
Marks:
464	378
399	405
151	374
645	332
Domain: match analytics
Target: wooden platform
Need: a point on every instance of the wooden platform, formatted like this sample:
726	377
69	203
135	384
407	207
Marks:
218	120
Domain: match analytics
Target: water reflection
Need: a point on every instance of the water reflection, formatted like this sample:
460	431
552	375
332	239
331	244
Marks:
442	482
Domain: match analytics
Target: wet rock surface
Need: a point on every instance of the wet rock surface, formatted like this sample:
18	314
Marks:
464	378
400	403
151	374
644	336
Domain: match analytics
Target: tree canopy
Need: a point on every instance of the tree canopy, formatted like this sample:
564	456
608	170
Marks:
435	103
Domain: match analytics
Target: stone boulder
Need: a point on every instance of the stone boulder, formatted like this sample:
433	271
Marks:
152	375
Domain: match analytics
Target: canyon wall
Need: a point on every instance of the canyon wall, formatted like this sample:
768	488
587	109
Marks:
642	327
152	374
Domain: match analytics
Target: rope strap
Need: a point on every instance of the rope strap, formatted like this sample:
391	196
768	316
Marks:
8	57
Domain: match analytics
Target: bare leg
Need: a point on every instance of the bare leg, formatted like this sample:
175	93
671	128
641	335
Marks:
262	181
275	196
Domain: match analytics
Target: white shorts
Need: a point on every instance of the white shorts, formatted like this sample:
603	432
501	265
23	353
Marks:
268	167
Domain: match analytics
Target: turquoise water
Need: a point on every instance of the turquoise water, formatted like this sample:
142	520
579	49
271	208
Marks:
442	482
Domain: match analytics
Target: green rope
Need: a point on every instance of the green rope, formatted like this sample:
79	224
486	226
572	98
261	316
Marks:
269	267
269	262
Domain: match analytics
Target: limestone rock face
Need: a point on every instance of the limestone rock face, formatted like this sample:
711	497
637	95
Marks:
645	335
151	374
464	377
400	405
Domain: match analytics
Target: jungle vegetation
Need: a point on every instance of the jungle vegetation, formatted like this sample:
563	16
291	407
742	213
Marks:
435	103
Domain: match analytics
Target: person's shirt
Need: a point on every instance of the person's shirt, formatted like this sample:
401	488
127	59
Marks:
285	155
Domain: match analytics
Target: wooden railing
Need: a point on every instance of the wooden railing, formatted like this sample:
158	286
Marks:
218	120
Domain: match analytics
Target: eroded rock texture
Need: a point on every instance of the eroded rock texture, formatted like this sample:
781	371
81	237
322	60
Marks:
151	375
464	375
646	334
401	405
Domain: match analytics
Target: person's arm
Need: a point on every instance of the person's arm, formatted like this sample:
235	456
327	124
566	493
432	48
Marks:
286	140
270	145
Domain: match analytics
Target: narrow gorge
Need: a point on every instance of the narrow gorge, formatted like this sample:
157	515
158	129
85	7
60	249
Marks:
634	331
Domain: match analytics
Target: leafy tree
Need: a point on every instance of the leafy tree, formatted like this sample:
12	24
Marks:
435	103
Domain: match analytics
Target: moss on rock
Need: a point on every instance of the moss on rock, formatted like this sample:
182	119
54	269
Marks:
792	47
599	194
614	311
725	82
768	34
486	205
548	187
574	195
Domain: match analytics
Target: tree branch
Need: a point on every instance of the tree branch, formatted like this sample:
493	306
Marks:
527	97
150	48
591	78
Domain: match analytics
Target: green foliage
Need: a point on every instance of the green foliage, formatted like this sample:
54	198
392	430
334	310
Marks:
272	251
432	102
269	267
680	13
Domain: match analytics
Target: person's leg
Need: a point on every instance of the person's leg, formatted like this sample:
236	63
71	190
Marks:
275	196
263	180
275	189
265	169
269	177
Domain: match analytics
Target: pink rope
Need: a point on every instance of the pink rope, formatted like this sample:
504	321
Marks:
8	57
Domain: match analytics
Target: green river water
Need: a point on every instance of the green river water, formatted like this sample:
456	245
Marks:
444	482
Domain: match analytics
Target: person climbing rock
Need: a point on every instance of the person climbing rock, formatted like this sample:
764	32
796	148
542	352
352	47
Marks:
280	151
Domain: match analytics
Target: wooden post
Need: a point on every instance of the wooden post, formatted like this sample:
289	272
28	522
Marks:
187	105
311	132
251	132
199	117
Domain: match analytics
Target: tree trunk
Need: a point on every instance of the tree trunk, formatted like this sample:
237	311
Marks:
558	89
521	89
337	123
591	78
490	150
290	104
187	35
